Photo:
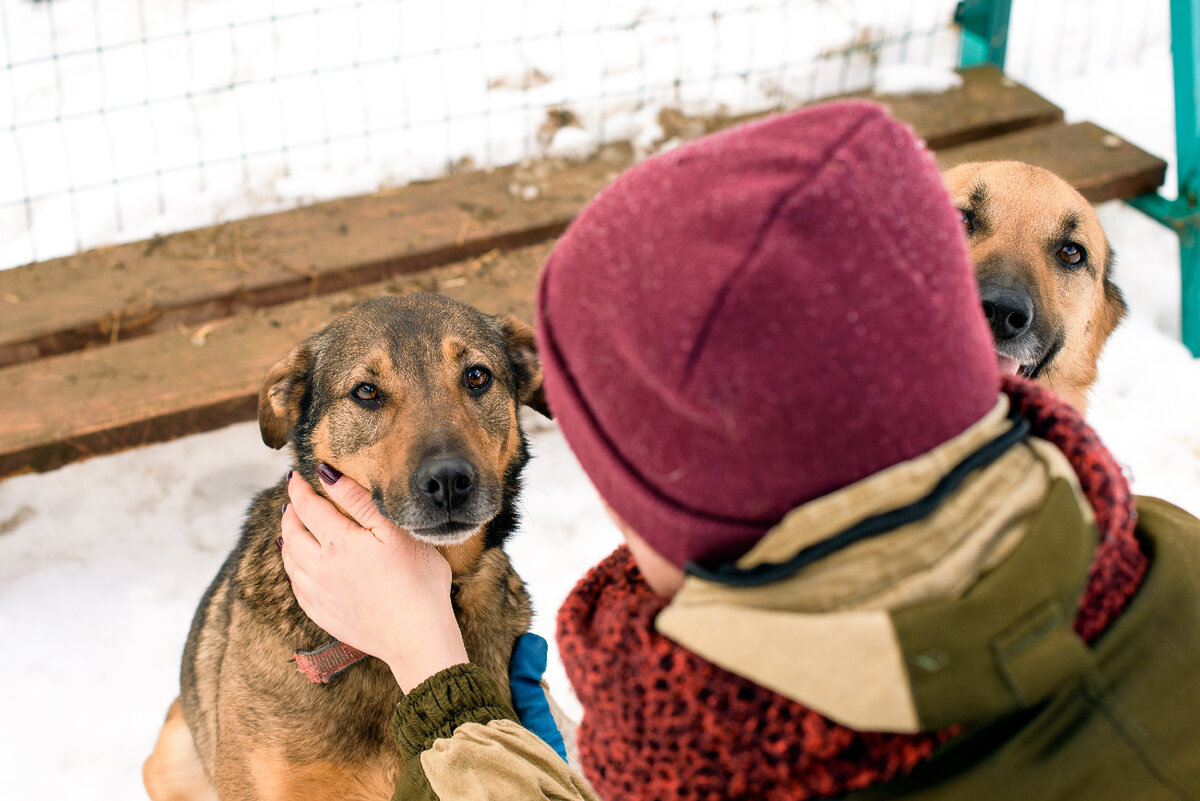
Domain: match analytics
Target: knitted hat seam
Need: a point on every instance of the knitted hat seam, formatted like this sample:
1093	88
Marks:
548	351
803	186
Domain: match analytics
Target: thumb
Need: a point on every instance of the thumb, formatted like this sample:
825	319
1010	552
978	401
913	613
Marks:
355	499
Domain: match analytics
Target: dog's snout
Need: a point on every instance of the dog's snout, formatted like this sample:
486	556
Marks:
447	483
1009	311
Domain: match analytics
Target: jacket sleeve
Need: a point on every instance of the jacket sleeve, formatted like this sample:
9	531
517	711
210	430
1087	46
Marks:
460	742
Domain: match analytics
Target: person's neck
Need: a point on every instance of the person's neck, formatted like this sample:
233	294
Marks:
662	576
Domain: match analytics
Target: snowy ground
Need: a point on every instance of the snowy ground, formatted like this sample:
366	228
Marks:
101	563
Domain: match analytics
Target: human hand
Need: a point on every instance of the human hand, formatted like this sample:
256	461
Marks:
367	582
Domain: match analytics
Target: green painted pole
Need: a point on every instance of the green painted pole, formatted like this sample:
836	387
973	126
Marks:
1183	214
984	26
1185	40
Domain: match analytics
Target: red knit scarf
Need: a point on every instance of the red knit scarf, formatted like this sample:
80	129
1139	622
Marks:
660	722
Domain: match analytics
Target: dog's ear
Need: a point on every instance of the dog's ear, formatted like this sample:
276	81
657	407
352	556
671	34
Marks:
522	349
280	395
1115	307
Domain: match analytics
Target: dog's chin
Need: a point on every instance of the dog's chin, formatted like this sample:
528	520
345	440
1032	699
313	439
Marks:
447	533
436	526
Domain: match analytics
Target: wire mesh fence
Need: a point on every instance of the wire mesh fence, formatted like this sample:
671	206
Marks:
1105	61
121	122
1066	38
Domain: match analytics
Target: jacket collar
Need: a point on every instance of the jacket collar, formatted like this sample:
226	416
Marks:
875	636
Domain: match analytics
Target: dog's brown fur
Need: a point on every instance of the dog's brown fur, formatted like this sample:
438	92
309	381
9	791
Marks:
247	724
1024	227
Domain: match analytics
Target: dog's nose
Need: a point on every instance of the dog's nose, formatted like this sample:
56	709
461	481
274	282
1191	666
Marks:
446	482
1009	311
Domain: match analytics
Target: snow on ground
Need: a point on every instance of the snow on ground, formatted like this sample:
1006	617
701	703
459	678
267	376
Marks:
102	562
905	79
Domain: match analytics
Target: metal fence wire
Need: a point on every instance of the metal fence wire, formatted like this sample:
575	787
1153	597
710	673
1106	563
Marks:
122	121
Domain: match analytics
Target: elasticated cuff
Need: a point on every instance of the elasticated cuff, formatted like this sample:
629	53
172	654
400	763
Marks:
443	702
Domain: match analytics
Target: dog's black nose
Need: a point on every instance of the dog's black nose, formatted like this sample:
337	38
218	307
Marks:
446	482
1009	311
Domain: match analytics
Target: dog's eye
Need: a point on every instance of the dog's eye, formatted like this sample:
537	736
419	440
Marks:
1071	254
367	393
967	220
477	378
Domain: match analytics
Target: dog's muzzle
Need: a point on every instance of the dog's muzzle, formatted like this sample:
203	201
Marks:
447	501
446	483
1011	314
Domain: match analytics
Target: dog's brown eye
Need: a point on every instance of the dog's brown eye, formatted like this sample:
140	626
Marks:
967	220
477	378
1070	253
368	393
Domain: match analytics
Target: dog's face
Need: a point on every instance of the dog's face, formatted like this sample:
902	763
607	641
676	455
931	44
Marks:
416	398
1043	266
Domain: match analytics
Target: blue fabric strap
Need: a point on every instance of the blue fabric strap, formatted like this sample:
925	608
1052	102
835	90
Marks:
529	699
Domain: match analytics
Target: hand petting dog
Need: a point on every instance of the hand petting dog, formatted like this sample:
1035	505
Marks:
367	582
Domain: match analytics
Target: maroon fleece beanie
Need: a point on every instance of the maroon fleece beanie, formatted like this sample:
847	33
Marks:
758	318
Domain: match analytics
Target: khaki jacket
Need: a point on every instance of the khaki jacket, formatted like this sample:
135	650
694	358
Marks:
968	622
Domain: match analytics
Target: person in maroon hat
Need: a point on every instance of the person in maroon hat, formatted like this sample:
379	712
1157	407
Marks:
858	564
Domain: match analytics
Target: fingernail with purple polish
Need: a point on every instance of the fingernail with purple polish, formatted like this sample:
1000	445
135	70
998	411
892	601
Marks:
288	478
328	474
279	543
283	511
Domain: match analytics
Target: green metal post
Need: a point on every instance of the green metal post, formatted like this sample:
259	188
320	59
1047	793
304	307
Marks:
1183	214
985	31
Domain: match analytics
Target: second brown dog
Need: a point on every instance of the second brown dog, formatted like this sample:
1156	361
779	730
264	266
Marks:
1044	269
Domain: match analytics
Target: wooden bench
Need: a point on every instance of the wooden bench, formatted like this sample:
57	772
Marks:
139	343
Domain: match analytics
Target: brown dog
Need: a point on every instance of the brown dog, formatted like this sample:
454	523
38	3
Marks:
416	398
1044	269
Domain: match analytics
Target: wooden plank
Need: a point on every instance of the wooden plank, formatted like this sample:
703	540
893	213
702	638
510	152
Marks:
149	389
988	104
116	293
192	321
1099	164
68	407
112	294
